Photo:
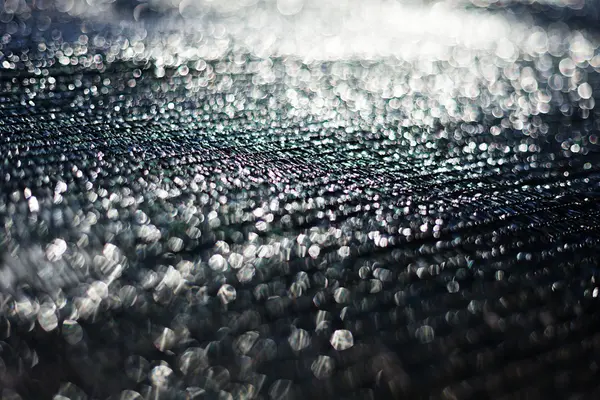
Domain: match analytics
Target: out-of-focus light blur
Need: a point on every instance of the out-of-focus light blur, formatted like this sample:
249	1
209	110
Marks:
286	199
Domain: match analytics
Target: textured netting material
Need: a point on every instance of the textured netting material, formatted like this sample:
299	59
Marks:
298	199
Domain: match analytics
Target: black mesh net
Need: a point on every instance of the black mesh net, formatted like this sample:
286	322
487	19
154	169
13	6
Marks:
298	199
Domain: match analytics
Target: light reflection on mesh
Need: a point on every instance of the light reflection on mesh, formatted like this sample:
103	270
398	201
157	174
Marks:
290	199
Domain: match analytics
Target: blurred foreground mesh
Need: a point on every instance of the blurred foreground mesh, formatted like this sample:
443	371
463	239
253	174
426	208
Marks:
299	199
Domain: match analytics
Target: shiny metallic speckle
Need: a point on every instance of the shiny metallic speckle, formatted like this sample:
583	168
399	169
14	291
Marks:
286	199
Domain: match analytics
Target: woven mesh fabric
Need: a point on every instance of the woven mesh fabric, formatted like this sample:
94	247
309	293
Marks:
192	208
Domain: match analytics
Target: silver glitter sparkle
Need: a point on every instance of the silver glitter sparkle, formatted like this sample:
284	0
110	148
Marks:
298	199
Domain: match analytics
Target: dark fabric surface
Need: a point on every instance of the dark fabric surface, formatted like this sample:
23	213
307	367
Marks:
192	208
